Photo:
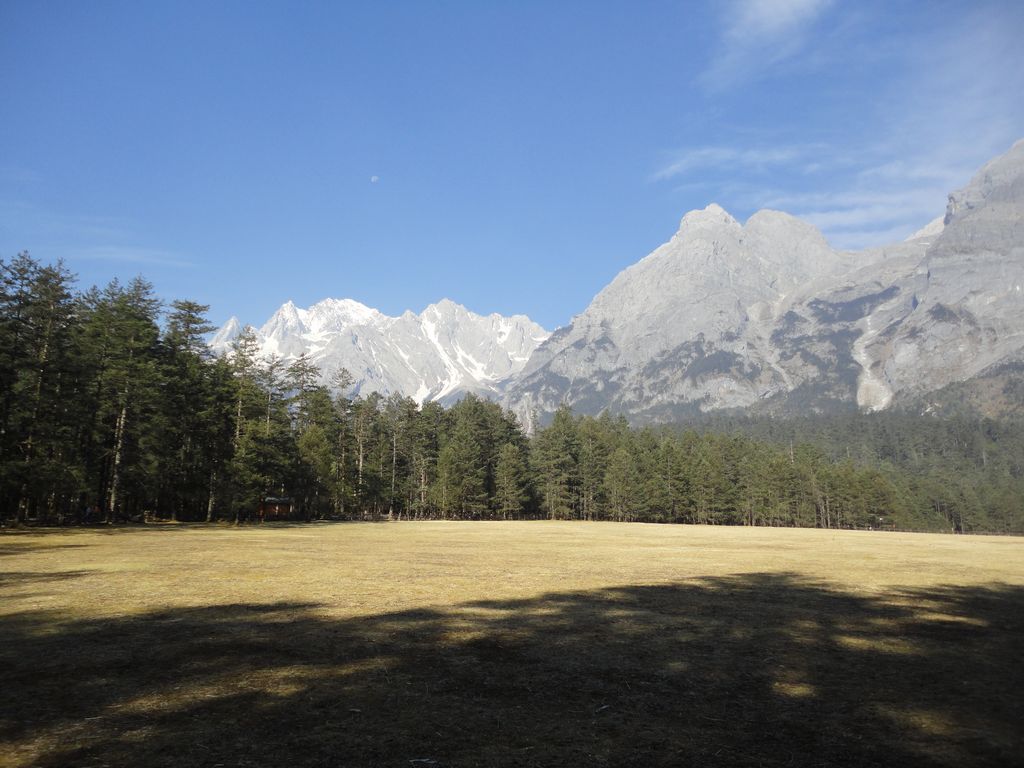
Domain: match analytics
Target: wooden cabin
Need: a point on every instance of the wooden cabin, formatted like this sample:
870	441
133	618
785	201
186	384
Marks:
276	508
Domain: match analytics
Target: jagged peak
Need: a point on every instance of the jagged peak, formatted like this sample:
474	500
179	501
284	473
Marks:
445	308
287	310
444	349
332	302
226	334
713	215
522	319
1001	172
287	318
772	215
332	314
446	304
782	228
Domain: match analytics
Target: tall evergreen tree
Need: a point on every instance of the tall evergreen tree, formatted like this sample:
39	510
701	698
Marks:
186	441
555	457
512	482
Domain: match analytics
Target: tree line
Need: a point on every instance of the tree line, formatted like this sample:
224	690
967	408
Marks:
112	408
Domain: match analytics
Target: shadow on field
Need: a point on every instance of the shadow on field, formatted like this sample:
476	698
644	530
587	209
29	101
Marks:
745	670
17	578
12	535
14	546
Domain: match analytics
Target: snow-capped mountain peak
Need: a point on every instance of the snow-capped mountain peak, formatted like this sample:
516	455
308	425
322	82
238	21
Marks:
227	334
287	320
441	352
337	314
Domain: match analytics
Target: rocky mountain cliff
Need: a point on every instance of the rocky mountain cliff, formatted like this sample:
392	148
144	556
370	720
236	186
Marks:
766	316
441	353
763	316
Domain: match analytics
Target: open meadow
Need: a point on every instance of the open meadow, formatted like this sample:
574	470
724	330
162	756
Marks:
508	644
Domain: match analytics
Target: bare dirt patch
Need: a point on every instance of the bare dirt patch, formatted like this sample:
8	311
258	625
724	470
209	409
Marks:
533	644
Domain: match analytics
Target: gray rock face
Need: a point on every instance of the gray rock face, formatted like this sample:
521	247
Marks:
763	316
767	316
444	351
968	308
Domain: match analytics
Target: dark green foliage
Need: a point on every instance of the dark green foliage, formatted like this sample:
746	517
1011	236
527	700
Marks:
511	480
556	467
106	417
902	468
38	376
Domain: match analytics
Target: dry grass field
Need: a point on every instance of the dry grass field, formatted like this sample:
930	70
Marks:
509	644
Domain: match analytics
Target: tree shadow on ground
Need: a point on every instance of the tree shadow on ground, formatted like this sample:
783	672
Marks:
14	546
19	578
13	535
746	670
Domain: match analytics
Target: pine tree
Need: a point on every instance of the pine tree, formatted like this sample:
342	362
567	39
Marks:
37	463
622	485
342	486
186	439
555	457
426	447
462	464
121	337
263	460
595	439
511	480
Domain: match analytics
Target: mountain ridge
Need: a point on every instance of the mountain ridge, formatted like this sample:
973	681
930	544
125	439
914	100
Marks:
763	315
767	316
443	350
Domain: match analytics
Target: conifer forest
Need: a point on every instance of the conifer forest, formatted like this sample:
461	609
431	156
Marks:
112	409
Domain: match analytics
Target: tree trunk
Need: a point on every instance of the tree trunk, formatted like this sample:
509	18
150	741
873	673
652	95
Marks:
394	457
342	475
210	497
359	473
115	478
423	488
37	394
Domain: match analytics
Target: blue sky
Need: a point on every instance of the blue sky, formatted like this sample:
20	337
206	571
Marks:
513	157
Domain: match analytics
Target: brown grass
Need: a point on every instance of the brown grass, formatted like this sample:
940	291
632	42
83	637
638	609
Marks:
533	644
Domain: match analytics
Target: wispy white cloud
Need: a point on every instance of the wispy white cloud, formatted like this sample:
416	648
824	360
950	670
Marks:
79	238
876	216
855	210
958	102
130	255
685	161
844	210
919	169
858	239
950	102
757	35
74	226
954	106
872	202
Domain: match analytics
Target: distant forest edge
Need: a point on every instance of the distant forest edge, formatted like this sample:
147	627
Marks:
114	410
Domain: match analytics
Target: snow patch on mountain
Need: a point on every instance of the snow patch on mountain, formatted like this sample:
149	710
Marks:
439	353
227	333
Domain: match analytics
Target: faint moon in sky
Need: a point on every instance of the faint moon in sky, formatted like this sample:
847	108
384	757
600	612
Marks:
374	179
